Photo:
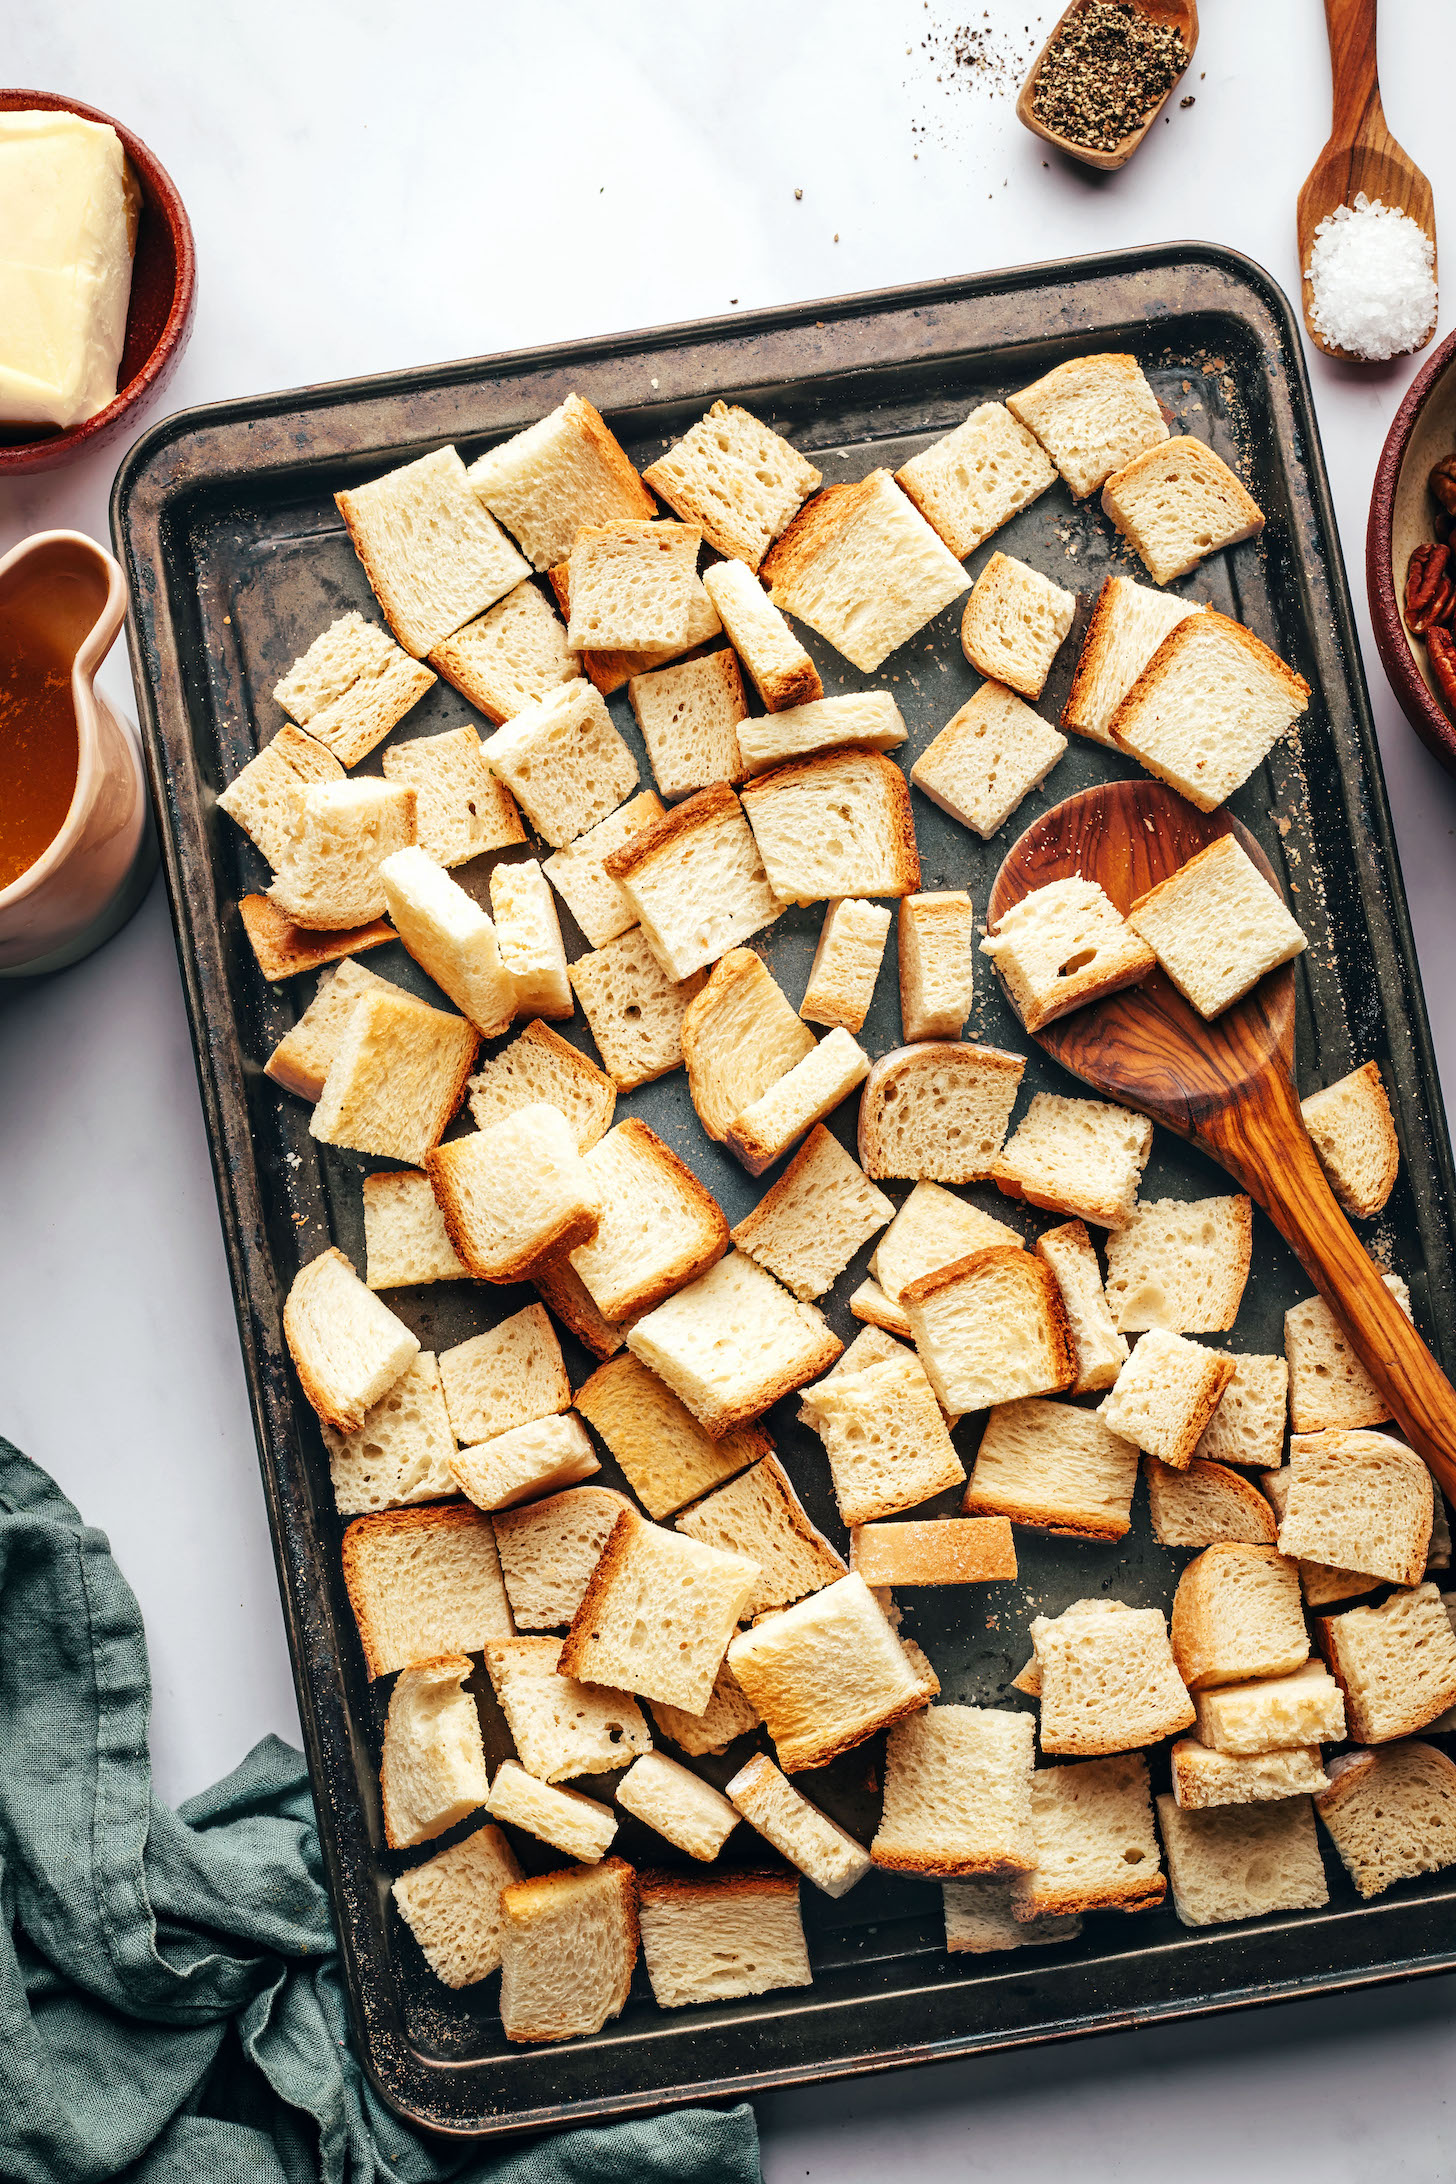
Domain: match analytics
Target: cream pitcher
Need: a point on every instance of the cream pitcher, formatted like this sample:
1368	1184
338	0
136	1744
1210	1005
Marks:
77	843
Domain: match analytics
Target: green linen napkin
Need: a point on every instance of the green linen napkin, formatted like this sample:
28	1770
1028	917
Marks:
170	2000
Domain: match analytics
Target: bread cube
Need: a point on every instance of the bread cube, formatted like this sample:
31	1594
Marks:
1208	708
433	556
977	477
1203	1778
261	798
548	1549
1054	1466
1248	1426
631	582
1205	1503
689	717
759	1515
957	1793
347	1348
666	1457
565	762
798	1830
1180	1265
812	1089
711	1941
688	1812
1128	624
1100	1351
1015	623
529	935
1276	1714
660	1227
870	1304
569	1822
696	881
937	1112
564	471
1029	1679
885	1438
432	1771
1237	1614
540	1068
835	825
506	1377
1242	1861
726	1717
402	1452
980	1920
524	1462
423	1583
737	479
560	1727
1165	1395
461	809
610	670
1063	946
1328	1386
1081	1157
1217	927
398	1073
932	1228
1178	504
1354	1134
1092	415
827	1673
1109	1683
987	758
451	1904
869	719
1096	1846
781	670
938	1551
351	687
340	833
658	1613
568	1947
1359	1501
813	1220
1395	1664
936	937
450	937
300	1061
514	1193
284	949
1391	1814
990	1328
733	1342
579	876
508	657
635	1009
861	565
739	1037
846	964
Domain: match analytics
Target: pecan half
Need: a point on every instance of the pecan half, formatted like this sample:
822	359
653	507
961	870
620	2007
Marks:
1430	589
1442	483
1441	652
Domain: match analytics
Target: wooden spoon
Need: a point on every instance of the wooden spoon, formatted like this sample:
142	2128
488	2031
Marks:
1361	153
1228	1086
1182	15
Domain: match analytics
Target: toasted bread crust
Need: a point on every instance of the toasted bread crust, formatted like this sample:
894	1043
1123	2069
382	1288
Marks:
1195	630
900	1062
813	529
558	1285
517	1900
947	1869
1067	1525
870	1305
283	949
771	1390
1129	1895
900	830
830	1747
433	1517
787	687
657	1884
1096	644
685	818
947	1559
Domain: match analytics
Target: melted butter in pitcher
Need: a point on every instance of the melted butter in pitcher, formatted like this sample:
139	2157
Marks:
39	754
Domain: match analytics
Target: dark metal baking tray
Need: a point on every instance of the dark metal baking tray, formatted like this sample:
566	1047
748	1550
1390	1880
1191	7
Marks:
236	559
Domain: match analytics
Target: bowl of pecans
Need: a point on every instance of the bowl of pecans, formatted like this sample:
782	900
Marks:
1410	554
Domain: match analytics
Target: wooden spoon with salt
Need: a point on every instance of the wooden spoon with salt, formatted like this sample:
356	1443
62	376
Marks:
1179	15
1361	153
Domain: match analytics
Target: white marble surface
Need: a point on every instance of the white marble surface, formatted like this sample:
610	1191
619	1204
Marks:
374	187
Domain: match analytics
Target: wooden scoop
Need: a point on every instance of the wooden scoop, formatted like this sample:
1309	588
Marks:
1180	15
1361	153
1227	1086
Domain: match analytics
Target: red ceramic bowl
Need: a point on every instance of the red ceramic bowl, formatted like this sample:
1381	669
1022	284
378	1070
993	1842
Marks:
158	320
1402	515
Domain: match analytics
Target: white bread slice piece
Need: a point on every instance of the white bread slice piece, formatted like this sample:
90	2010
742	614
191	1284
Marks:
351	687
348	1349
1205	1503
1354	1134
300	1061
657	1614
1100	1351
937	1551
398	1074
1063	946
1165	1395
1128	624
1203	1778
781	670
1274	1714
509	656
1242	1861
871	1346
405	1239
283	949
630	585
558	1285
737	479
839	824
525	1462
528	932
732	1343
514	1193
1078	1157
432	1771
1015	623
869	720
540	1068
1237	1615
684	1809
450	937
1054	1466
548	1550
568	1946
870	1304
846	964
260	799
986	758
506	1377
461	809
1395	1664
759	1515
1109	1683
936	937
739	1036
812	1089
634	1008
957	1794
580	1826
977	477
886	1441
1217	927
451	1904
1180	1264
712	1941
433	556
990	1328
1360	1501
660	1227
937	1112
1096	1846
813	1220
689	716
402	1452
1391	1814
1328	1386
560	1727
828	1673
1208	708
564	471
579	877
696	881
1092	415
932	1228
726	1717
564	761
611	670
1178	504
861	565
664	1454
340	833
979	1920
823	1852
1248	1426
1029	1680
423	1583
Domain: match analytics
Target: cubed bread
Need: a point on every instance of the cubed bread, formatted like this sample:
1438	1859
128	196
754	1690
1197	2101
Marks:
1395	1664
300	1061
568	1948
736	478
937	1112
1328	1386
1217	927
1029	1679
726	1717
846	964
1015	623
990	1328
398	1073
433	555
260	799
610	670
937	1551
679	1805
871	1346
348	1349
423	1583
432	1772
461	809
339	834
696	881
1054	1466
284	949
658	1613
868	719
1248	1426
540	1068
957	1794
1354	1134
1208	708
1237	1614
733	1342
987	757
1128	624
451	1904
564	761
689	716
839	824
861	565
548	1549
1205	1503
351	687
579	874
808	1226
932	1228
524	1462
759	1515
1203	1778
528	933
1274	1714
1180	1264
659	1229
1242	1861
514	1193
1096	1846
1359	1501
781	670
560	1727
507	1377
712	1941
828	1673
822	1850
980	1920
579	1826
886	1441
635	1009
812	1089
1109	1683
564	471
1079	1157
1092	414
631	583
977	477
666	1457
1391	1814
870	1304
1165	1395
936	939
740	1035
402	1452
1063	946
1100	1351
1179	503
450	937
509	656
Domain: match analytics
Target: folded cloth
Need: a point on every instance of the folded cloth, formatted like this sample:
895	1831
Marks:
170	2002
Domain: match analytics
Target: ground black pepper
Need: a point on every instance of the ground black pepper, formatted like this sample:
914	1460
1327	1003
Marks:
1105	72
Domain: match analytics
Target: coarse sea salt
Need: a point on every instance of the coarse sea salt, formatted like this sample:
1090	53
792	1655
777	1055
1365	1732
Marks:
1373	290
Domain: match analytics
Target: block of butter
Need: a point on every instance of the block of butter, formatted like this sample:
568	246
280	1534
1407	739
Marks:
67	233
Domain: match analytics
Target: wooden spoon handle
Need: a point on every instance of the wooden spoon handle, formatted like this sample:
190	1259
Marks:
1356	83
1263	1142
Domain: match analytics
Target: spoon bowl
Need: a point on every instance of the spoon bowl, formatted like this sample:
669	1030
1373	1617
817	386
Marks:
1180	15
